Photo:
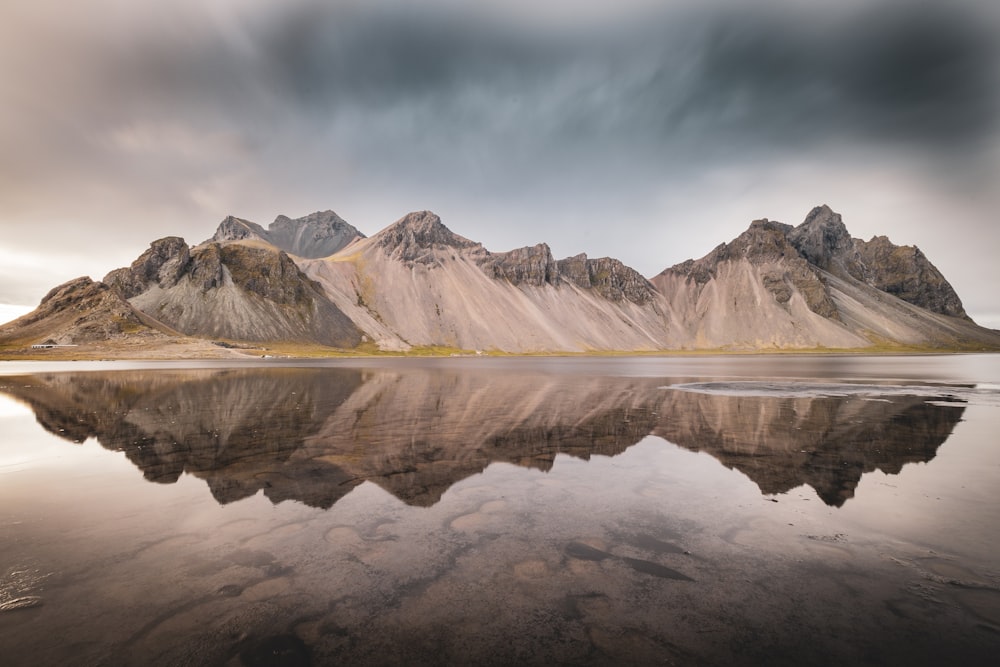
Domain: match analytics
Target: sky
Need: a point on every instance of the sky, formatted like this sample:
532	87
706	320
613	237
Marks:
647	131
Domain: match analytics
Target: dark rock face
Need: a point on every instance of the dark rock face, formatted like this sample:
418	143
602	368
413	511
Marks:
608	277
902	271
413	237
206	270
318	234
905	272
523	266
764	241
163	263
274	276
824	241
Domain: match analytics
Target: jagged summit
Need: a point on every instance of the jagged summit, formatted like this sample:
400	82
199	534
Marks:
318	234
823	240
162	264
236	229
413	238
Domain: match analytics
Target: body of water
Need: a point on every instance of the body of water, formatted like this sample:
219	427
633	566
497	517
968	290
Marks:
780	510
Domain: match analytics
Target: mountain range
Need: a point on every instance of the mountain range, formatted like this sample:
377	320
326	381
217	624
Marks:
318	281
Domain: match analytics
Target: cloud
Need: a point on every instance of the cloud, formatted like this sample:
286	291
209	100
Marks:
678	123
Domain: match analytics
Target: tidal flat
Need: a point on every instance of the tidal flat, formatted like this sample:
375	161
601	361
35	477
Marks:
780	510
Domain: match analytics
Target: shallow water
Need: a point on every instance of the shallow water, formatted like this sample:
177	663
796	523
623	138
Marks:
716	511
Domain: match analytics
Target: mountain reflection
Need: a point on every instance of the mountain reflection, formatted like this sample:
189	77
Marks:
311	435
826	442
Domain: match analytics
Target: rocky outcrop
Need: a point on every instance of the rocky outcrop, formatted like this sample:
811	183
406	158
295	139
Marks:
906	273
523	266
608	277
80	311
163	263
318	234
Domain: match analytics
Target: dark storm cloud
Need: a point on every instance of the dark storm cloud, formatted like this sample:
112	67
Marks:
918	75
481	102
909	72
451	94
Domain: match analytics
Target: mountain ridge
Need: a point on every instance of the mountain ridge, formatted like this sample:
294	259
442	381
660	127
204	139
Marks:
416	283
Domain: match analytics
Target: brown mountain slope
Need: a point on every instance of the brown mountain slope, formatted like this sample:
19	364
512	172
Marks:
82	311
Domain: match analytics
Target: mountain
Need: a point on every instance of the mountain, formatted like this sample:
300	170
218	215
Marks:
418	283
318	234
814	286
316	280
240	290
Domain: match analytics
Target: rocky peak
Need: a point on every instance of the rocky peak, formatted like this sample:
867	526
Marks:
237	229
318	234
824	241
765	241
413	238
162	264
767	244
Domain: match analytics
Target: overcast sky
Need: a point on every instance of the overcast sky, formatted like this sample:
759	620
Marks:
647	131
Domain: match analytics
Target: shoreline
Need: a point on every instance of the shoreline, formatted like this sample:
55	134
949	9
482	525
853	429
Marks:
208	351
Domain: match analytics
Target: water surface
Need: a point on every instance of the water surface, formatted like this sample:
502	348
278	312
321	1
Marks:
743	510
